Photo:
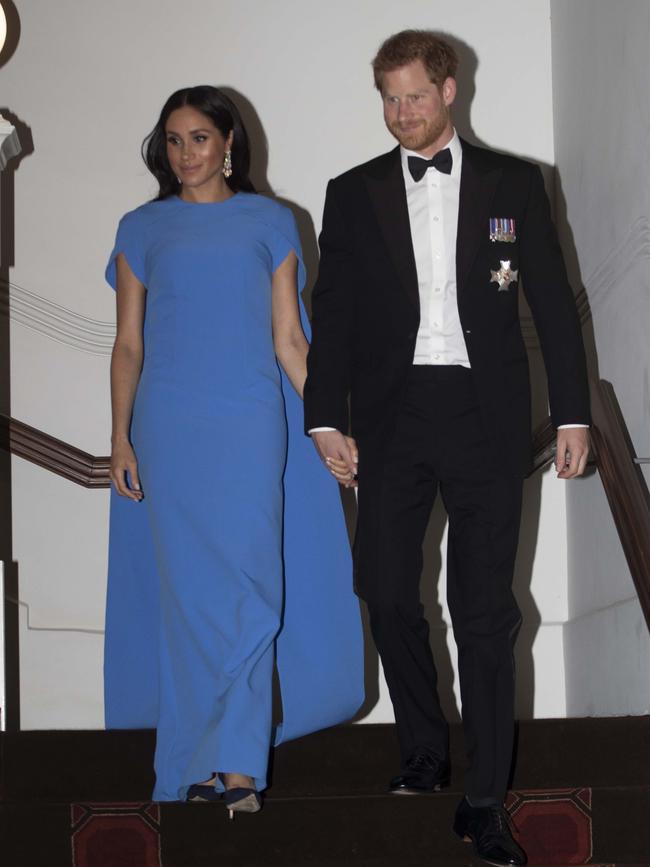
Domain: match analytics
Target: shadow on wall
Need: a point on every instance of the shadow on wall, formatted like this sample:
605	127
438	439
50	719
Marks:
575	278
259	177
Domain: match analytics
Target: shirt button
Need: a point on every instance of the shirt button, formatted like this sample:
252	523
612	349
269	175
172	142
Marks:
436	325
435	219
437	289
436	357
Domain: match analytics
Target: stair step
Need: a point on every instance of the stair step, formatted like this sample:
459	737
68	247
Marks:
354	759
581	796
605	826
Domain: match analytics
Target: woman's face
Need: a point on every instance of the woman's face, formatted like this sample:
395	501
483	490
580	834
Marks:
196	149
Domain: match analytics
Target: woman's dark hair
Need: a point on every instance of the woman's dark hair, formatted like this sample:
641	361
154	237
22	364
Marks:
223	113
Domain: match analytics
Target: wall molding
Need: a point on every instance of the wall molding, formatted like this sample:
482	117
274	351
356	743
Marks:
596	612
56	322
617	264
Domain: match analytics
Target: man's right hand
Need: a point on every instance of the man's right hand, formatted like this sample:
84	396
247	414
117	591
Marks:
339	454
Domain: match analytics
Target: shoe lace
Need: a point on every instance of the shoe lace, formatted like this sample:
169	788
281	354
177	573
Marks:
500	820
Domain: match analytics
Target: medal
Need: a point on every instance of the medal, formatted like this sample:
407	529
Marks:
503	229
504	276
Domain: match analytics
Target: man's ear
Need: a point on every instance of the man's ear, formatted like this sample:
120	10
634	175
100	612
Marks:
448	90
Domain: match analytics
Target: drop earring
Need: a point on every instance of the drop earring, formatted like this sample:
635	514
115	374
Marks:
227	164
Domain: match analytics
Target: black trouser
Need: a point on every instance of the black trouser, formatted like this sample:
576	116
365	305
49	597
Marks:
439	443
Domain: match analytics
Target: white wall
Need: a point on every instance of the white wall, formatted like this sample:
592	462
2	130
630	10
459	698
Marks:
88	79
601	84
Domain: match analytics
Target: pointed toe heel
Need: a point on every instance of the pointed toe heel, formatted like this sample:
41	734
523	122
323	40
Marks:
201	794
241	800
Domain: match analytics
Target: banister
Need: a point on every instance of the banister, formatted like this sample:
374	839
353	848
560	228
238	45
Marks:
543	445
625	486
53	454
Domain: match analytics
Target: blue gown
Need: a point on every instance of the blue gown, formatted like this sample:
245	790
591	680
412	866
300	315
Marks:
238	552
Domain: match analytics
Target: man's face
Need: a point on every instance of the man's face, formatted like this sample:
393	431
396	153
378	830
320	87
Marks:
416	111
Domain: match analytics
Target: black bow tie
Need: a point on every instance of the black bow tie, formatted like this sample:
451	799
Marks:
441	161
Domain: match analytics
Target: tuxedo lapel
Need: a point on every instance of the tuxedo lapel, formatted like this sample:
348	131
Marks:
478	184
385	184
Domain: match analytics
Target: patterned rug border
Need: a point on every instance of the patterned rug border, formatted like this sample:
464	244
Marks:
107	820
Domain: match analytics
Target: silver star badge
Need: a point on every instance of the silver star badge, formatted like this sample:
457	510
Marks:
504	276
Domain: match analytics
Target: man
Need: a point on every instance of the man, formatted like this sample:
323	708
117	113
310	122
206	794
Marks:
415	318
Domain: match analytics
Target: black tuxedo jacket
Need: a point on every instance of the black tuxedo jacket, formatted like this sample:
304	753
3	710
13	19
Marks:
366	313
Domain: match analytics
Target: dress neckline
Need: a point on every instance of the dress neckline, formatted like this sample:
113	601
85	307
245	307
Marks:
206	204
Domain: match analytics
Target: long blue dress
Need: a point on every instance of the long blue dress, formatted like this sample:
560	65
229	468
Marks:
238	552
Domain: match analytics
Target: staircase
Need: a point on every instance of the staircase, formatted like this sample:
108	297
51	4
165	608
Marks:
580	795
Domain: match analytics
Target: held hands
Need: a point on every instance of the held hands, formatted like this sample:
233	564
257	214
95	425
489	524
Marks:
123	461
339	454
572	452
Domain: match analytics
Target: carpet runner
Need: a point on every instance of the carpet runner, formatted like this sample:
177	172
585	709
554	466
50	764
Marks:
327	804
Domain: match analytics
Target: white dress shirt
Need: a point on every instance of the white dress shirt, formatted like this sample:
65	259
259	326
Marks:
433	215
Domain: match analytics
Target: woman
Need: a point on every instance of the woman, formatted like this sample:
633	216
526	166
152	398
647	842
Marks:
227	544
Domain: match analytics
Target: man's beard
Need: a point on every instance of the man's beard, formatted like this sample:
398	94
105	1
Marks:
422	136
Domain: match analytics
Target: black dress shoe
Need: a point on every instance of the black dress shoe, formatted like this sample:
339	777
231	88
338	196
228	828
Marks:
423	774
488	829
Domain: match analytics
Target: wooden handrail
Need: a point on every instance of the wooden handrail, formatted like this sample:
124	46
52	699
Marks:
622	479
54	455
625	486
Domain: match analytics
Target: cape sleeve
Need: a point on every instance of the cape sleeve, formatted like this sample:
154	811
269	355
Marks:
130	241
319	647
285	238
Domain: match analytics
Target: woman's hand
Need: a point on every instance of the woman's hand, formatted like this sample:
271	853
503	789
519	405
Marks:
123	461
343	468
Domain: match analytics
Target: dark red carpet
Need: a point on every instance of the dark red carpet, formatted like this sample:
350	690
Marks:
581	795
115	835
554	827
